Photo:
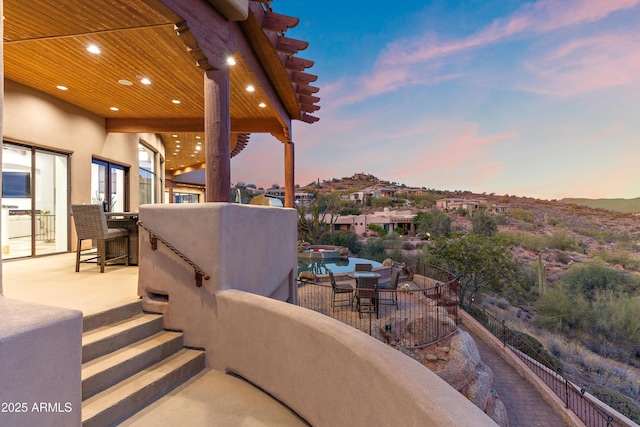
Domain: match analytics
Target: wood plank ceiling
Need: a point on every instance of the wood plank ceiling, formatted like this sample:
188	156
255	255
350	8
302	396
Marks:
45	47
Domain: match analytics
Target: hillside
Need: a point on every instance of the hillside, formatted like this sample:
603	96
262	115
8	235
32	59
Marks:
616	205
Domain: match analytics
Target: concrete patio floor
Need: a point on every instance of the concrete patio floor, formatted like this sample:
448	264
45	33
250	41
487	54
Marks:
211	398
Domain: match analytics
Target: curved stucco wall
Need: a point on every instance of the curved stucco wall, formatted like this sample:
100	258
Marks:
251	248
328	372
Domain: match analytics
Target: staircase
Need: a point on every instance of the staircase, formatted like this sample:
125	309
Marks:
128	362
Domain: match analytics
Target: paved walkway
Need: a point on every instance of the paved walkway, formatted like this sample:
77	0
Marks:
525	407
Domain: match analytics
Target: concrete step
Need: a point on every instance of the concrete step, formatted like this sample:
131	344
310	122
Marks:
127	397
94	321
103	372
109	338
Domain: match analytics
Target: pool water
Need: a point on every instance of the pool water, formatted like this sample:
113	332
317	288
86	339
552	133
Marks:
337	265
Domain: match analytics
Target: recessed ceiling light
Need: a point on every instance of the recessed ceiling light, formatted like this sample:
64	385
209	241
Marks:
175	101
198	147
262	105
193	155
231	60
197	137
114	109
175	154
199	143
93	49
125	82
145	81
62	87
174	135
178	146
250	88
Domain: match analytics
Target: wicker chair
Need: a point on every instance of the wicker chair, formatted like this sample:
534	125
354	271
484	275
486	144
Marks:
339	291
367	295
363	267
390	287
91	224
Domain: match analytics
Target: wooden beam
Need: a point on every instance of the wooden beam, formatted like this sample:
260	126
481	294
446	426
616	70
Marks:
279	23
309	119
307	99
162	125
297	64
306	89
290	46
309	108
303	78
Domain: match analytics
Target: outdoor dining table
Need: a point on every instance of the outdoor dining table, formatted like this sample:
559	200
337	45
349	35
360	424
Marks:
374	292
129	221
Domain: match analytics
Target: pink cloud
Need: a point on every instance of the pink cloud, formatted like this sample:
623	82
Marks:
540	17
586	64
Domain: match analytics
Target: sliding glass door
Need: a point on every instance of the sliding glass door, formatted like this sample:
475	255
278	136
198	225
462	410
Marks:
35	200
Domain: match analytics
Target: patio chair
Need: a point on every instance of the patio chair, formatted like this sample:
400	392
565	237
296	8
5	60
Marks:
91	223
363	267
339	291
390	287
367	295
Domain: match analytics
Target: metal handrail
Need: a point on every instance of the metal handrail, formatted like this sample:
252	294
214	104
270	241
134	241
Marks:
153	240
572	396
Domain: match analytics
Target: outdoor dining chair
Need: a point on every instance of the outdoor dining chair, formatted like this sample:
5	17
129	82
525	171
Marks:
339	292
91	223
367	295
363	267
390	287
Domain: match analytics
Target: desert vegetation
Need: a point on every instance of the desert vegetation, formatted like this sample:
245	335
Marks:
586	313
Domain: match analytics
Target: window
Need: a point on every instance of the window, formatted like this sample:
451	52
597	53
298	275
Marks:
108	185
146	166
186	197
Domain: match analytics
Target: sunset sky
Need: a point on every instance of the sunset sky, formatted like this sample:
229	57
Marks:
537	99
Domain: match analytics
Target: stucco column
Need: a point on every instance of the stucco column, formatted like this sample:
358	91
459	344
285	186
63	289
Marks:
217	134
289	175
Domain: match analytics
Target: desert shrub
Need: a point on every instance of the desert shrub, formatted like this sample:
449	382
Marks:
618	401
534	349
591	276
522	215
532	242
373	249
342	238
622	258
560	311
408	246
377	229
552	221
563	242
399	231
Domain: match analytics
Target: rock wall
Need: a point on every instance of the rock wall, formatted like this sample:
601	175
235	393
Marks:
458	363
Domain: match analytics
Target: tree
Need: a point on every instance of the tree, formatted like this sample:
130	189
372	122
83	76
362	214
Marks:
436	223
478	261
316	219
483	224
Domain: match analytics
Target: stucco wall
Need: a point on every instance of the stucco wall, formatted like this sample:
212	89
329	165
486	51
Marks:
251	248
40	361
35	118
326	371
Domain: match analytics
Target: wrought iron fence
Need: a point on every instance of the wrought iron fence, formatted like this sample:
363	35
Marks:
548	370
410	317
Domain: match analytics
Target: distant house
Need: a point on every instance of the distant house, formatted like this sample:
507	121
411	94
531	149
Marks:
470	205
375	191
301	197
387	219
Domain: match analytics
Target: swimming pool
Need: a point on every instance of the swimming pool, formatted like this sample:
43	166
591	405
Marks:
340	265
